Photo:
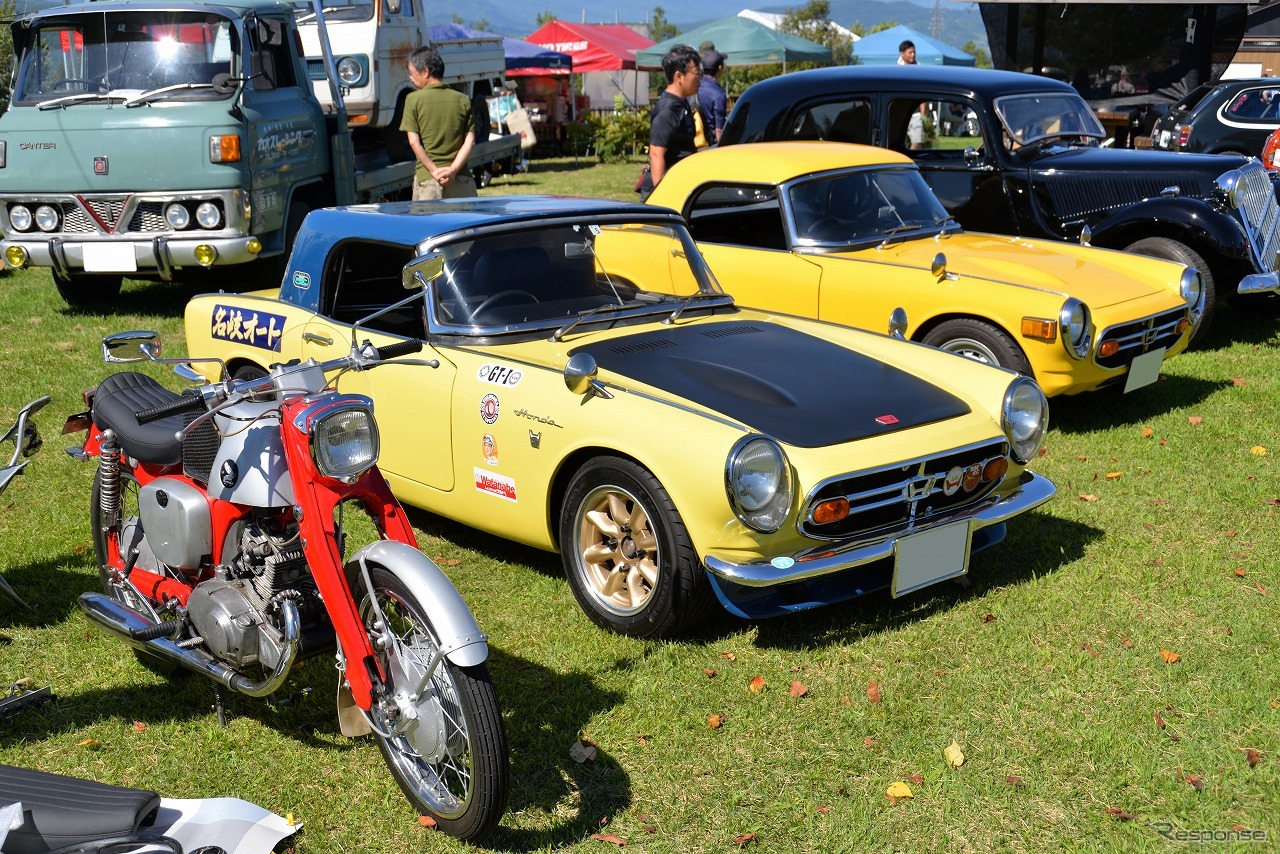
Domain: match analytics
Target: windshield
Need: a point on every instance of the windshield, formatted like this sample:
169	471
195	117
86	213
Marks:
95	56
334	12
555	274
1030	118
863	205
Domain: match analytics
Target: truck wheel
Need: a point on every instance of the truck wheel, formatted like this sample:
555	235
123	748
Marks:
89	291
981	341
1172	250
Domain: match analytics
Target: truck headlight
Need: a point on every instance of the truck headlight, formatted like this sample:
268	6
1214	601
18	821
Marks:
757	477
20	217
344	442
1077	336
1024	417
47	218
208	215
1191	286
350	71
177	216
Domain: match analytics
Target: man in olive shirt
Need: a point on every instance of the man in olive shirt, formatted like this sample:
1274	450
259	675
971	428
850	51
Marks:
439	123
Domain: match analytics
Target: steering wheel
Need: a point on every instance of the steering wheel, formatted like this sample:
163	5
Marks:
829	229
498	297
68	82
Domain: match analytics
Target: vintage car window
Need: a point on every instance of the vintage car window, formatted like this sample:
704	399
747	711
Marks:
1030	118
362	277
334	12
942	130
127	52
848	120
1260	103
738	214
863	205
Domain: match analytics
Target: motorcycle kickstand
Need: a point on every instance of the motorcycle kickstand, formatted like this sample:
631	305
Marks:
220	704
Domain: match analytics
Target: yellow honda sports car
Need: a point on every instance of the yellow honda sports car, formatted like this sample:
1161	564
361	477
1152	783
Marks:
846	233
586	387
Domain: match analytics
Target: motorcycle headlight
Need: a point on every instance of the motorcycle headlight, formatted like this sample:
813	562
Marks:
758	479
1024	417
344	443
1191	286
1077	335
47	218
20	217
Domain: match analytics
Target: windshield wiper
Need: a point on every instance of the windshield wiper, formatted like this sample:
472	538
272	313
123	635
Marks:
583	318
78	98
164	90
685	302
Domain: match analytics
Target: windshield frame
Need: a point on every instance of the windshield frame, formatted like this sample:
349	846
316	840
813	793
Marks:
1092	128
335	13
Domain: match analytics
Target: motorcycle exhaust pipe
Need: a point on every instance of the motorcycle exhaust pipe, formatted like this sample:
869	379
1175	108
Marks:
127	624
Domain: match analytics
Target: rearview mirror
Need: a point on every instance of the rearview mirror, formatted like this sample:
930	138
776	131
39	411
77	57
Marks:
138	345
423	269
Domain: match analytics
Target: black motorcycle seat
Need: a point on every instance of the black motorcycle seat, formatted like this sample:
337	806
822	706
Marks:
116	403
58	811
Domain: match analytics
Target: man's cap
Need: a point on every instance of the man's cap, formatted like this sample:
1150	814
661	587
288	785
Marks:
712	61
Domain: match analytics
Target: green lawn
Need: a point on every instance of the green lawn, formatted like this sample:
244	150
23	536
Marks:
1054	670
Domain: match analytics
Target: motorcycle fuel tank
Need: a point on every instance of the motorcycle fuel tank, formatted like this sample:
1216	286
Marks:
175	517
250	467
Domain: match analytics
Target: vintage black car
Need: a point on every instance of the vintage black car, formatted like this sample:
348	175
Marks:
1020	154
1227	117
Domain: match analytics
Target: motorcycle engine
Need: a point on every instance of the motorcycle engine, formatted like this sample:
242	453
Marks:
231	613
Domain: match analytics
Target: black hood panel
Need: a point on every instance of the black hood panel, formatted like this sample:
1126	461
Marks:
803	391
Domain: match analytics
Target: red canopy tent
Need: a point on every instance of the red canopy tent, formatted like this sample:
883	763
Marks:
603	53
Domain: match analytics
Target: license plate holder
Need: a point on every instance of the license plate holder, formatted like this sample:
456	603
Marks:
109	258
1144	369
930	556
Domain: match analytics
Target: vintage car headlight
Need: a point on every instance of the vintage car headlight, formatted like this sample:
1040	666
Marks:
757	477
1077	336
1232	186
208	215
1191	286
344	443
20	217
177	216
350	71
1024	417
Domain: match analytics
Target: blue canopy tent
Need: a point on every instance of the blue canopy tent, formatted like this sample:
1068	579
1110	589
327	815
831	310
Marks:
882	49
519	54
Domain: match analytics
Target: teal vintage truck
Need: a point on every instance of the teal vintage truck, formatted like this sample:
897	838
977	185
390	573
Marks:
163	140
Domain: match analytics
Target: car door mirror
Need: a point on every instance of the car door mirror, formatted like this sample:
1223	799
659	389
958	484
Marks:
898	323
971	156
939	266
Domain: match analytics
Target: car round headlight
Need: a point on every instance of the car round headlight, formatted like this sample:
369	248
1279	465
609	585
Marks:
47	218
1191	286
177	216
1077	336
344	443
349	71
20	217
758	479
1232	186
208	215
1024	418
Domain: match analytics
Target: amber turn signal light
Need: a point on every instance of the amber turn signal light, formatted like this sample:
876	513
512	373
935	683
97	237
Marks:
1183	325
1109	348
1037	327
831	510
995	469
224	149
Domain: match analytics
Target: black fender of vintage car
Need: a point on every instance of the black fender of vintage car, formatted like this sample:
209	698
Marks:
1195	222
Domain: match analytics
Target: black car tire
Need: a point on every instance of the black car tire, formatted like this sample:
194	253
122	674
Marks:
979	340
1173	250
89	291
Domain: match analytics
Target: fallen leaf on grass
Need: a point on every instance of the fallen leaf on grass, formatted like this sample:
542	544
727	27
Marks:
1237	381
1127	642
1194	420
845	701
744	839
1013	780
898	790
1088	649
609	837
873	692
715	721
918	779
1239	571
1164	441
1159	720
90	743
426	821
953	755
822	810
868	741
1258	451
1169	657
728	656
1252	756
1083	459
711	674
757	684
139	726
1087	497
1114	475
643	740
1195	782
1147	432
988	618
798	690
1120	814
1261	589
583	750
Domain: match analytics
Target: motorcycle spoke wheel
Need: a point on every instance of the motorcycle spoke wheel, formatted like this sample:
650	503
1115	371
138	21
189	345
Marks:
439	727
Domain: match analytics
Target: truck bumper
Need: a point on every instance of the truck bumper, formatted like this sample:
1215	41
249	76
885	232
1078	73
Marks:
156	256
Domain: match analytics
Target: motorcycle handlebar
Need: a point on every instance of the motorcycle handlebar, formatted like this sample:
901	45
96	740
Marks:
403	348
186	403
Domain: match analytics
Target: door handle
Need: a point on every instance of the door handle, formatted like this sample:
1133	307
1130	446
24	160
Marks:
312	338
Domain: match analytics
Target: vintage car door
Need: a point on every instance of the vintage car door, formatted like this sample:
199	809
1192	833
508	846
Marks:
412	403
956	156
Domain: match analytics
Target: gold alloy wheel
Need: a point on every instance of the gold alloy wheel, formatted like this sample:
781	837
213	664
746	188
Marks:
618	549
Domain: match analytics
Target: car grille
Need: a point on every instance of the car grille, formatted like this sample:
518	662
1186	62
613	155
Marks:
1140	336
882	501
149	217
1261	214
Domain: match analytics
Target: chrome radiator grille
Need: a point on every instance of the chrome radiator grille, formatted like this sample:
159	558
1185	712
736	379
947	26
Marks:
1139	336
1261	214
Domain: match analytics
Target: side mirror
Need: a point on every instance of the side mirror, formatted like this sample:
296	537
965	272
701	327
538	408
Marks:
224	83
1086	235
898	323
580	376
138	345
971	156
939	266
393	7
423	269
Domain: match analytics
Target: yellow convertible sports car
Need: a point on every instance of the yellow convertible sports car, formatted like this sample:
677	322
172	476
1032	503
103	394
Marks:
847	232
586	387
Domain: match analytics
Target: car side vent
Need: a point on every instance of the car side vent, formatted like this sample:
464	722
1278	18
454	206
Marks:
646	346
726	331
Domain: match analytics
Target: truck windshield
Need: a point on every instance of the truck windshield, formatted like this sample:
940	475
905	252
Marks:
334	12
1027	119
125	53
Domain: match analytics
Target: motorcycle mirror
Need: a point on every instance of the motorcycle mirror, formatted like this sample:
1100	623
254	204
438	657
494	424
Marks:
420	270
121	347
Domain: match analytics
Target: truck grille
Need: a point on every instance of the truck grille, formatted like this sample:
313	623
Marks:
148	216
882	501
1139	336
1261	214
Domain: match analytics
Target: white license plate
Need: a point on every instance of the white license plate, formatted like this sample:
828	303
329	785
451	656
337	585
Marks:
1165	136
1144	370
109	258
929	557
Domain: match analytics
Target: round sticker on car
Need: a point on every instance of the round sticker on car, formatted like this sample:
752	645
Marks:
489	408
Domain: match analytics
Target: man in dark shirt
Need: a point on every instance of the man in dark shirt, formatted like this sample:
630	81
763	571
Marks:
671	128
711	96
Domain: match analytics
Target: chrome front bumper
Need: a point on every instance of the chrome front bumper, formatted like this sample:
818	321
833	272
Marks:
1033	490
153	256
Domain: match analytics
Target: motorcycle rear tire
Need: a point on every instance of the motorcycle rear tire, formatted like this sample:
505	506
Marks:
468	713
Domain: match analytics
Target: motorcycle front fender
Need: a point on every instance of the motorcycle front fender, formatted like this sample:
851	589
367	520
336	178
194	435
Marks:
460	637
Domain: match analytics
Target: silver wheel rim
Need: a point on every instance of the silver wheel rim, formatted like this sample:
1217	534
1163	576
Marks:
971	349
616	554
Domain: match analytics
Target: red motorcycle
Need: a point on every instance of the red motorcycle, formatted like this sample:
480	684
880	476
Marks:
218	531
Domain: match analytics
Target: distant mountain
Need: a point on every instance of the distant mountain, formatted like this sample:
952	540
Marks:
961	22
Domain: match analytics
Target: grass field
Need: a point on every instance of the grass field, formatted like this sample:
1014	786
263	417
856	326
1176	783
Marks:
1109	672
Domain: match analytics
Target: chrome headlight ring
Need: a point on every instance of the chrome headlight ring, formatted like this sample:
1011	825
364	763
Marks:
1191	288
343	437
1024	417
757	479
1076	327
